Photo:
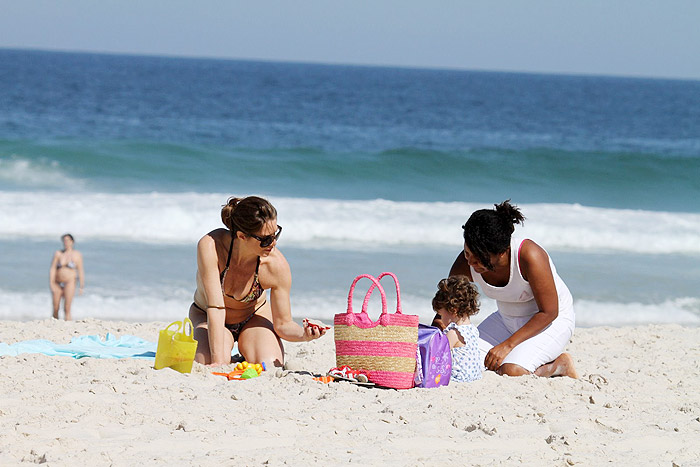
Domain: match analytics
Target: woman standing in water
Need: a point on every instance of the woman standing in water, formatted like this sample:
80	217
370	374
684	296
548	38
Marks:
234	268
66	267
535	317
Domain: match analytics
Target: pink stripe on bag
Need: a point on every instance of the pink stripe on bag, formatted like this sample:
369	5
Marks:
390	377
381	349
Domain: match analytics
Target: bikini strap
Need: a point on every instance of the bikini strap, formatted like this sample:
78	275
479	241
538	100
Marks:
228	260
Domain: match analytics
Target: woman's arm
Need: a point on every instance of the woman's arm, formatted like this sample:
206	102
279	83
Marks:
534	265
208	269
460	267
285	327
52	271
81	272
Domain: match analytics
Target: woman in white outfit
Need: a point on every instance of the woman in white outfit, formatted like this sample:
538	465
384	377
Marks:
535	317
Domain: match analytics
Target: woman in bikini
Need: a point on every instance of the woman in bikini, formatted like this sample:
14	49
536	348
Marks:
234	268
66	267
535	318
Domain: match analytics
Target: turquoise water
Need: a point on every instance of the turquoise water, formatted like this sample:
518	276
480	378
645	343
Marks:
371	169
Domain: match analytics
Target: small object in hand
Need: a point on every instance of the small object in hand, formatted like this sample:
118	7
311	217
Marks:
319	326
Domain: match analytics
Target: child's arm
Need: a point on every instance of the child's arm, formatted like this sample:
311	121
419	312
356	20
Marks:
455	338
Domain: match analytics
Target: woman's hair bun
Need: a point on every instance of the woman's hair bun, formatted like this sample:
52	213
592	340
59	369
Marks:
227	212
510	214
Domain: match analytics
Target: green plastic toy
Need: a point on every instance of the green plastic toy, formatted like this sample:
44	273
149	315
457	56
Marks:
249	373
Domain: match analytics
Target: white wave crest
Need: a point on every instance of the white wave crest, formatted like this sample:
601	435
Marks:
685	310
152	306
182	218
42	174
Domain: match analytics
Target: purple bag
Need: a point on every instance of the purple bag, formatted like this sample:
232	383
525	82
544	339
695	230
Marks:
433	358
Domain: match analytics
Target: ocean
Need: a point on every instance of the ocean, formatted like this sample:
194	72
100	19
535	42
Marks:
371	169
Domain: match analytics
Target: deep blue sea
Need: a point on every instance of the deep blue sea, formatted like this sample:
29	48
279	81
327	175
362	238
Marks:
371	169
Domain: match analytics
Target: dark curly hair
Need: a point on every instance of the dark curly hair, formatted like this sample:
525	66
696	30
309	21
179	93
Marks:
488	231
457	295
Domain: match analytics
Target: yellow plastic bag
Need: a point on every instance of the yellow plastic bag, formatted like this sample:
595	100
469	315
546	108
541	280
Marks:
176	349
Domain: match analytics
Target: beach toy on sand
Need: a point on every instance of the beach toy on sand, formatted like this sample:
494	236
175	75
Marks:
176	347
244	370
346	373
249	373
258	367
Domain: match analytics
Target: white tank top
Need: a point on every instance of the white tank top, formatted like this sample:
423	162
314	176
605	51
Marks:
516	299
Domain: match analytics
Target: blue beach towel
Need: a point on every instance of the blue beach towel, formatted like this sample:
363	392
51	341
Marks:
86	346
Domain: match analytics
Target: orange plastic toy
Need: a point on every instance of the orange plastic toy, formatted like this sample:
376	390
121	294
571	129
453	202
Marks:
244	370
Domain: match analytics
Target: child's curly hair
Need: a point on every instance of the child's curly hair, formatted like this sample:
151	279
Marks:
457	295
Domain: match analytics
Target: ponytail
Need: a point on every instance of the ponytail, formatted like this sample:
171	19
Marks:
509	214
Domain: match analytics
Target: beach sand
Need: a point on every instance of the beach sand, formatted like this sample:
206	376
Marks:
637	403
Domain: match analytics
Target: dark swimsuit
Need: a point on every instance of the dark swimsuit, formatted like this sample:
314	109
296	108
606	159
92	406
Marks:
255	292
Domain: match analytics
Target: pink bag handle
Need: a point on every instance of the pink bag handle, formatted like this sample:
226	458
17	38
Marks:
366	301
398	289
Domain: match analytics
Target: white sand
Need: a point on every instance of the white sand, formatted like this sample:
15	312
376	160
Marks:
637	403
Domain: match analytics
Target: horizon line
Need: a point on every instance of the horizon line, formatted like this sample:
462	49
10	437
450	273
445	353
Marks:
350	64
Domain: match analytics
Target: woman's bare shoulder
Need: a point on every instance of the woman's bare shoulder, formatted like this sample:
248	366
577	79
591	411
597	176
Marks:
533	257
212	238
275	268
216	234
275	261
531	250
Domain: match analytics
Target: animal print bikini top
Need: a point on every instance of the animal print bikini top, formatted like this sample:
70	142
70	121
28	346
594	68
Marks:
256	289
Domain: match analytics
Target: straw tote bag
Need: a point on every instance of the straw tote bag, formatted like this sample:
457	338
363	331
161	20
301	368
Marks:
386	348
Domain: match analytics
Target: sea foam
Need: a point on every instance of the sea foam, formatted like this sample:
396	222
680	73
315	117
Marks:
38	174
182	218
157	307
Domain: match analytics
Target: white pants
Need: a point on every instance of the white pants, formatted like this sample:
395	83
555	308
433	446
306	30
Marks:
537	350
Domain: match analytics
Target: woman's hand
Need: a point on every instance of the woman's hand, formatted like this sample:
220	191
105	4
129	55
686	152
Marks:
494	359
312	331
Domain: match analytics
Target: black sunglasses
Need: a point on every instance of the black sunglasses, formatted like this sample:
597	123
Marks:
268	239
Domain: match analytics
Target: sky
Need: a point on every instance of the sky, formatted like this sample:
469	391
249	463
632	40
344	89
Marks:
602	37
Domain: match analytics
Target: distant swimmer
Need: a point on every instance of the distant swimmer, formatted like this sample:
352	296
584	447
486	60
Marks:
66	268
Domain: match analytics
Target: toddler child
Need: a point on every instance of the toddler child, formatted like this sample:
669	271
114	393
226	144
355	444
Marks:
455	301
